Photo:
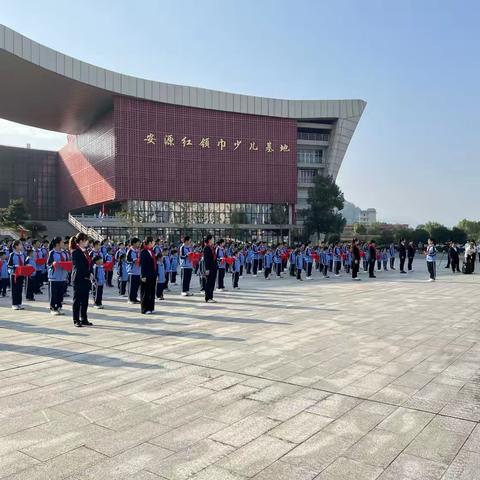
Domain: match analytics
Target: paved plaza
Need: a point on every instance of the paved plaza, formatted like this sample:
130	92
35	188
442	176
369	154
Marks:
282	380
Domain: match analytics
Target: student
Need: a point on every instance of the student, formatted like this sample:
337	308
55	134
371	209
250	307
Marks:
385	257
81	279
37	280
372	256
148	276
391	253
220	256
30	281
16	259
168	265
327	258
186	266
299	263
355	259
241	259
236	268
122	274
160	275
98	281
210	268
249	260
108	257
57	276
267	263
308	260
133	269
255	256
173	267
348	260
337	261
291	259
277	261
3	273
431	256
201	274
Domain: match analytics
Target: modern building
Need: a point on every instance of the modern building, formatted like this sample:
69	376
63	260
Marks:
163	159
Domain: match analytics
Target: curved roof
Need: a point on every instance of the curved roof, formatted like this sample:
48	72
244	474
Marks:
47	89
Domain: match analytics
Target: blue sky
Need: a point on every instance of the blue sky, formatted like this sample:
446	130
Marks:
415	153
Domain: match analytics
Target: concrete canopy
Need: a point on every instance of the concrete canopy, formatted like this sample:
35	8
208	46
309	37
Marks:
47	89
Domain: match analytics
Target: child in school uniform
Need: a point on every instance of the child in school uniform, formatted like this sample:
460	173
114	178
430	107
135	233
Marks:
385	257
173	267
201	274
267	263
241	259
249	260
98	281
57	276
122	274
30	289
379	259
160	275
299	263
291	259
236	266
108	257
277	261
16	259
3	273
168	266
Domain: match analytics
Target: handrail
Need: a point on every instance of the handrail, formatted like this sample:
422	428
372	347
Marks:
91	232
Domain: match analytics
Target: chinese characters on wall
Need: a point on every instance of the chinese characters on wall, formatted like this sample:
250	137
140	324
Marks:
169	140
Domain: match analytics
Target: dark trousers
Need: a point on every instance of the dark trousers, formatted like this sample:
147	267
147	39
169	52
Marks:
221	276
255	266
299	273
338	265
431	266
249	267
147	294
392	262
402	264
3	286
325	270
173	277
455	264
278	269
122	287
30	287
57	290
267	271
80	301
16	284
241	270
109	279
309	269
292	270
371	268
160	289
260	263
355	268
97	294
134	283
409	265
235	277
187	277
210	284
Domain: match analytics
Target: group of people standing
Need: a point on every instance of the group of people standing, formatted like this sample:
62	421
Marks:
145	269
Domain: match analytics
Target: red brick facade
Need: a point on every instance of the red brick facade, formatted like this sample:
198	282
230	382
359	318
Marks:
137	153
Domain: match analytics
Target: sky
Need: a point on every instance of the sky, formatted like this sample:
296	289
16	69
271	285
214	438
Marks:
414	156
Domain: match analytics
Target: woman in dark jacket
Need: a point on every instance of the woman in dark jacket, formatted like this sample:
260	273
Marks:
210	265
81	279
148	276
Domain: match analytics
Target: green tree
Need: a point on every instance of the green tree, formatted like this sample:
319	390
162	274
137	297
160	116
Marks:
405	233
441	233
420	235
472	229
360	229
15	214
325	200
459	236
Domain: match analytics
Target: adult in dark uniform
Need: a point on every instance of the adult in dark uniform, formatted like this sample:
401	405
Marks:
210	264
81	279
410	255
454	257
355	259
402	253
148	276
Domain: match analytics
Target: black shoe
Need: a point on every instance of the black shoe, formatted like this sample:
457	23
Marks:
87	323
372	276
403	271
77	324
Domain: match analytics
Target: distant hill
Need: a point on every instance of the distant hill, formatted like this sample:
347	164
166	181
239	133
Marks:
351	212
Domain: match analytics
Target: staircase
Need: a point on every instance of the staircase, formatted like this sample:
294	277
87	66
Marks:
90	231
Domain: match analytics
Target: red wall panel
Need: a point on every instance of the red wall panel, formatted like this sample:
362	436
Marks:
191	173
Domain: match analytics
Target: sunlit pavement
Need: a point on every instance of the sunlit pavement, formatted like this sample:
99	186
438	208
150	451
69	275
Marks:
325	379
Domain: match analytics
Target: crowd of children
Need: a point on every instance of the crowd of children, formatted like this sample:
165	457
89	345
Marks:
28	266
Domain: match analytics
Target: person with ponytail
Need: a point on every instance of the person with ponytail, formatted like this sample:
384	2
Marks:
81	278
148	276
